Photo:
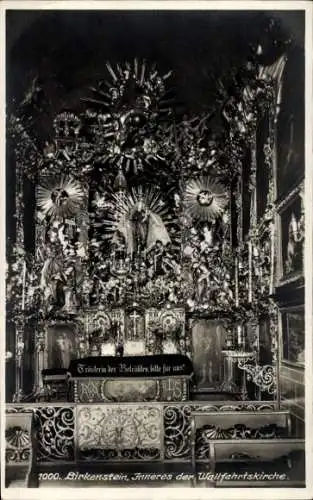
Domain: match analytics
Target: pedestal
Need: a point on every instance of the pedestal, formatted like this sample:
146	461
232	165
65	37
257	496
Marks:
232	358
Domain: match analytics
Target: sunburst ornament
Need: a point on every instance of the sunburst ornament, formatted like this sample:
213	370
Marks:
205	199
131	85
126	110
63	198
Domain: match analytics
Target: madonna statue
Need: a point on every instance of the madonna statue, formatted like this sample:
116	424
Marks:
142	228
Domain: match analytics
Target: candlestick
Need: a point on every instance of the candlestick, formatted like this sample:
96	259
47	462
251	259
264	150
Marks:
236	282
239	334
23	286
250	273
271	287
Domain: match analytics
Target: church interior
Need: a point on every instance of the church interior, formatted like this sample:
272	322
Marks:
154	238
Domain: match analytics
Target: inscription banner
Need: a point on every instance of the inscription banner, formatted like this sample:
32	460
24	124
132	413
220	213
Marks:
132	366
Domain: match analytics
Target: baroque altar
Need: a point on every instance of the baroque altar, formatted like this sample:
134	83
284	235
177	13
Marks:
139	233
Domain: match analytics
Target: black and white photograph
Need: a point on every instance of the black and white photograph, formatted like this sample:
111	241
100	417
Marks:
157	321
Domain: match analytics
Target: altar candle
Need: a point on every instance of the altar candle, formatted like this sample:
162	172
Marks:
23	286
272	260
236	283
239	333
250	273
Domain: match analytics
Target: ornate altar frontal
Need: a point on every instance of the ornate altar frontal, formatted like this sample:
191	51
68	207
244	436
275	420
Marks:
123	432
134	378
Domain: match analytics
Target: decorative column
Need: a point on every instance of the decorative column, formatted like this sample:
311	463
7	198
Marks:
20	321
236	279
250	281
253	241
40	346
273	316
269	216
239	252
19	351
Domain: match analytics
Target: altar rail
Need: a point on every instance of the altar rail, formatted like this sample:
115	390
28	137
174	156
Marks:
69	432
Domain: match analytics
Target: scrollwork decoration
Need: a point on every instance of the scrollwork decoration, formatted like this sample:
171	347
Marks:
263	376
55	434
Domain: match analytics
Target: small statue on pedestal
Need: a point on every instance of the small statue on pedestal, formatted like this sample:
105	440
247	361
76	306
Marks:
119	349
119	346
68	288
202	277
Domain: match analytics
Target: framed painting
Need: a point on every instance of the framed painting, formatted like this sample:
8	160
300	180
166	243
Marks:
290	124
291	239
208	342
61	345
265	342
293	336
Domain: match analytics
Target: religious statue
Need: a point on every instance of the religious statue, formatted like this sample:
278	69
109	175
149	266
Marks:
138	219
169	263
202	278
208	237
119	340
172	295
153	260
51	282
143	229
119	349
225	295
69	288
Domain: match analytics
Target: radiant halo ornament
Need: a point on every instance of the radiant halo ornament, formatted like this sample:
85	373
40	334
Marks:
204	199
63	198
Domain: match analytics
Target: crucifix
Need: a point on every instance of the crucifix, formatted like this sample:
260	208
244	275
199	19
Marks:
135	318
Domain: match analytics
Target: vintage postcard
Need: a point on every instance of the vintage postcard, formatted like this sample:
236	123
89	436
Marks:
157	249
